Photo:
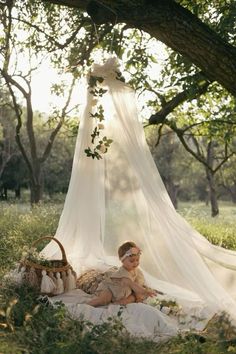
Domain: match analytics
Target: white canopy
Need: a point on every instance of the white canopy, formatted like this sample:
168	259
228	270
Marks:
122	197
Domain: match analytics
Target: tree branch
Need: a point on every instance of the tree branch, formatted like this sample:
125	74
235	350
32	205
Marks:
169	106
29	120
50	38
180	135
7	30
59	125
81	4
9	79
223	161
175	26
18	129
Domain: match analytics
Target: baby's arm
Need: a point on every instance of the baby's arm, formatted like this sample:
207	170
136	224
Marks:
138	289
141	281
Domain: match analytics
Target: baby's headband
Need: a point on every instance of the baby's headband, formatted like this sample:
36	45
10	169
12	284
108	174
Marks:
134	251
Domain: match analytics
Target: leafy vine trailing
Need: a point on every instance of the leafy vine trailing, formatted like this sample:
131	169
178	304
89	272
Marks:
98	146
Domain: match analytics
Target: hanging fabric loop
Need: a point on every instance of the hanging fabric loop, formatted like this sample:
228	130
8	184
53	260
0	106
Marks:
113	35
96	33
115	22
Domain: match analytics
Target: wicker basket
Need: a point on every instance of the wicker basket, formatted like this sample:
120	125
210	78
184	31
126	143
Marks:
29	267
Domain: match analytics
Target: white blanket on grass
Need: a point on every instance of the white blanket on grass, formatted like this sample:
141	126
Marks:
140	320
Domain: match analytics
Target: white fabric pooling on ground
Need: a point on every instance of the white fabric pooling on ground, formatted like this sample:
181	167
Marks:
122	197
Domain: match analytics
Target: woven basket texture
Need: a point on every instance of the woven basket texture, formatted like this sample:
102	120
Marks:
53	266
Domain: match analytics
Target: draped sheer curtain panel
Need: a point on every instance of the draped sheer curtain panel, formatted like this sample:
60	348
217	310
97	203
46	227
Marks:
122	197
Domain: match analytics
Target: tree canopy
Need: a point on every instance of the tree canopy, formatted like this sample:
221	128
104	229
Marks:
179	28
178	91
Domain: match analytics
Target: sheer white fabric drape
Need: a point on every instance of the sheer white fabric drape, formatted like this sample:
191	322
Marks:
122	197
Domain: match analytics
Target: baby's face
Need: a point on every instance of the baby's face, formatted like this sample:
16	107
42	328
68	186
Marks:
131	262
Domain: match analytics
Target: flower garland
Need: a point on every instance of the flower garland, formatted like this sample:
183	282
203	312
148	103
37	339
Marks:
168	306
99	144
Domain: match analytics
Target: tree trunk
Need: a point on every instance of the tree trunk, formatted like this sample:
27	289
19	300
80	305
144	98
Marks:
232	191
18	192
212	193
4	193
172	190
36	193
211	180
175	26
36	184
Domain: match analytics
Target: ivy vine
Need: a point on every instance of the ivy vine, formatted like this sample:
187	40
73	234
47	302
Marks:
100	144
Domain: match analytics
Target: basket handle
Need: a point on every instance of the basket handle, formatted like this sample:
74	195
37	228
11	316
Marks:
52	239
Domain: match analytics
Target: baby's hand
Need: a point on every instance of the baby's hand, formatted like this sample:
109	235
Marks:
139	298
151	292
142	294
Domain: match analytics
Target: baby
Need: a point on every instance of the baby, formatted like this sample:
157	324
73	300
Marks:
126	285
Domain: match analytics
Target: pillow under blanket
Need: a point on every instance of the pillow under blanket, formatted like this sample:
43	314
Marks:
89	280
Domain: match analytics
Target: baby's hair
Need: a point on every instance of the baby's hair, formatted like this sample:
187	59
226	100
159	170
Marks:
125	247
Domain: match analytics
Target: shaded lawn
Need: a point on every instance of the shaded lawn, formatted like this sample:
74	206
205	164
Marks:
29	327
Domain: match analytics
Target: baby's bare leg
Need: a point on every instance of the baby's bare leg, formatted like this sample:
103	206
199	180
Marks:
104	298
125	300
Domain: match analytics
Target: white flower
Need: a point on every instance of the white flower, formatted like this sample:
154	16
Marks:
165	310
94	102
102	148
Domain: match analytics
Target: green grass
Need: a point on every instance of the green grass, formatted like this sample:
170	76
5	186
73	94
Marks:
20	225
35	328
30	327
220	230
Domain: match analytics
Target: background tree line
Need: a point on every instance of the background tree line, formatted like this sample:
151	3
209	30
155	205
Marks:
190	117
183	175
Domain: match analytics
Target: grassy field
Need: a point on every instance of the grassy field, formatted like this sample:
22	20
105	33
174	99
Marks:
27	326
220	230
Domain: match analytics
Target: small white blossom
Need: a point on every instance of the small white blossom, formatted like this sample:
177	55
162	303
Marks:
94	101
102	148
